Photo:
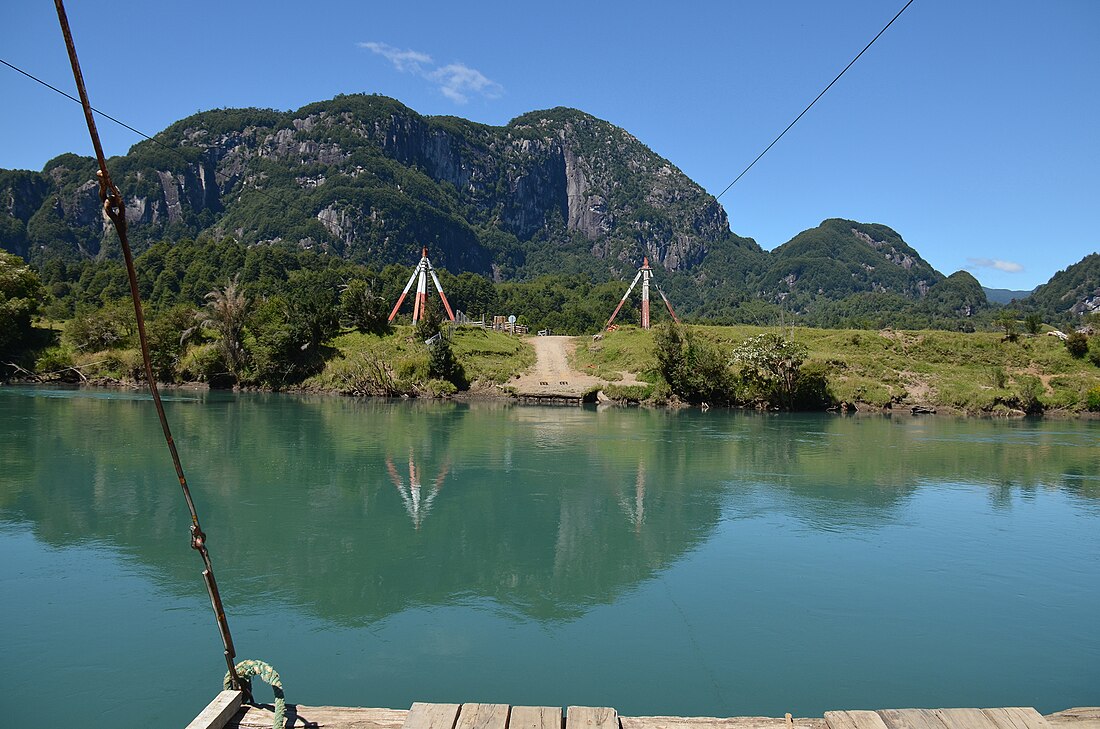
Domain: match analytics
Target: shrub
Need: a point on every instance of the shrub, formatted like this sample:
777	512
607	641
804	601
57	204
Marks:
771	367
1033	323
56	361
440	388
1077	344
1029	390
997	377
694	371
1092	399
363	308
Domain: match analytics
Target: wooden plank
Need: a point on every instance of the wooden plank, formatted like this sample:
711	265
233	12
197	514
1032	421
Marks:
591	717
911	719
332	717
535	717
707	722
965	719
854	720
1017	717
1081	717
483	716
432	716
218	712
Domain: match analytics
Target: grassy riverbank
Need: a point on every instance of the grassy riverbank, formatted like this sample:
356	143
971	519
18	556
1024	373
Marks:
980	373
977	372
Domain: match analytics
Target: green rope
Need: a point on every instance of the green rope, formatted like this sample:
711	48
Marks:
247	669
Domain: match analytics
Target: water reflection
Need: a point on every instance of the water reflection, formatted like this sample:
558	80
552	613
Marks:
416	507
547	512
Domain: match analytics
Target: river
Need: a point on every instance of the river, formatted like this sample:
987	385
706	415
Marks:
661	562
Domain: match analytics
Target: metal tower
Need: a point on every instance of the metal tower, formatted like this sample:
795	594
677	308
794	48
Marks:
645	273
420	275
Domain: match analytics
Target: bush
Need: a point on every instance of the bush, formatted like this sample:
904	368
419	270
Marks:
1029	390
94	330
56	361
1077	344
997	377
440	388
1033	323
771	367
1094	353
203	363
1092	399
694	371
364	309
20	294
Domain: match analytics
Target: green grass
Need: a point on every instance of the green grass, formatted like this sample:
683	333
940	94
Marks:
487	357
973	372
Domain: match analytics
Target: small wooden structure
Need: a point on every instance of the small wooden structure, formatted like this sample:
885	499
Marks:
227	711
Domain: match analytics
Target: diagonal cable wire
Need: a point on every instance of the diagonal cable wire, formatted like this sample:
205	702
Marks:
850	64
69	96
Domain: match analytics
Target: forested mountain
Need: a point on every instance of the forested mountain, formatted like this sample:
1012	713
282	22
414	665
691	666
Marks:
370	181
1069	294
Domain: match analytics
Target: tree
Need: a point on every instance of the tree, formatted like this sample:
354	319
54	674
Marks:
363	308
226	312
694	371
1006	320
1033	322
770	365
20	294
1077	344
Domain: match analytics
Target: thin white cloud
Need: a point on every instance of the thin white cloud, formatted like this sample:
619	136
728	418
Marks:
999	265
406	61
457	81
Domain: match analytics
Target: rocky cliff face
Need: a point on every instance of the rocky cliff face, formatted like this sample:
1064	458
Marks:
367	178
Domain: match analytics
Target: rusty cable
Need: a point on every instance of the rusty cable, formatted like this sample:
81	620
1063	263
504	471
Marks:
114	208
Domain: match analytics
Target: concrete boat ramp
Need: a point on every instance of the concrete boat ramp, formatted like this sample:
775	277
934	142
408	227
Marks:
227	711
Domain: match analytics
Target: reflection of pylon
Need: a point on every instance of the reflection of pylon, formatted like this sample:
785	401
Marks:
645	273
635	513
416	507
420	275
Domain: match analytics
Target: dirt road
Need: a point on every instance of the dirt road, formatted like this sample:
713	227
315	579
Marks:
552	373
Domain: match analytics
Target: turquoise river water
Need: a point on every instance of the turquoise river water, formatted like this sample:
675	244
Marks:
693	563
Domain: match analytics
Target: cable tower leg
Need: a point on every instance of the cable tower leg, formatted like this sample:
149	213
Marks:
446	304
402	297
622	300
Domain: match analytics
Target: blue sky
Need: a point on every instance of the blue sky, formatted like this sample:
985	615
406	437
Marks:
973	129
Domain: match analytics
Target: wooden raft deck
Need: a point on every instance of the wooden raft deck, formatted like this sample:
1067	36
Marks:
226	711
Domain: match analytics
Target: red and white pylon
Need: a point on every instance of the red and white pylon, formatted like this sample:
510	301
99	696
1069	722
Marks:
645	273
420	275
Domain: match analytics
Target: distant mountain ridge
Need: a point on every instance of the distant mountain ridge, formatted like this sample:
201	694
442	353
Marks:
551	192
1004	296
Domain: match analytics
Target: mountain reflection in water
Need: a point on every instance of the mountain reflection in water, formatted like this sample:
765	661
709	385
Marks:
658	561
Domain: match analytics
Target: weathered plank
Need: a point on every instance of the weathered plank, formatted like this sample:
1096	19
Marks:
1017	717
1081	717
218	712
341	717
965	719
911	719
483	716
432	716
854	720
706	722
590	717
535	717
